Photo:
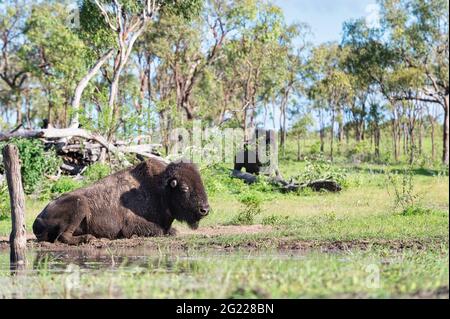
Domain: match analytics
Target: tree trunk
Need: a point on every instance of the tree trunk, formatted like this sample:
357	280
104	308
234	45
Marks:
19	117
49	113
332	134
17	239
446	131
395	139
322	138
412	145
377	141
341	126
298	147
114	108
420	143
83	84
433	145
405	139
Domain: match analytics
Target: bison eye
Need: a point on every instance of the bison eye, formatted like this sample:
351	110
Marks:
173	183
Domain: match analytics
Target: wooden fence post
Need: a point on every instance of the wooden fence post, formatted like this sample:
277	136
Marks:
17	239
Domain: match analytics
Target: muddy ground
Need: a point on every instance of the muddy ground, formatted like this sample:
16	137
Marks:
207	238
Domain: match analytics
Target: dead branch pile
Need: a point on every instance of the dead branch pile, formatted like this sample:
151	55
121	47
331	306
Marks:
79	148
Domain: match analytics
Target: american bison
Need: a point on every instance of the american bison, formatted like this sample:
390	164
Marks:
248	157
143	200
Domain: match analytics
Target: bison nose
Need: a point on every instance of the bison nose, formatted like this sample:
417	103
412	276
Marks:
204	210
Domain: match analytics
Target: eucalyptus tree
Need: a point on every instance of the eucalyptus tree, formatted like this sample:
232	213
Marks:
330	83
122	23
55	58
418	33
300	128
13	69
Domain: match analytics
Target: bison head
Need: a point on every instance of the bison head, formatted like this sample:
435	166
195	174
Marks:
185	193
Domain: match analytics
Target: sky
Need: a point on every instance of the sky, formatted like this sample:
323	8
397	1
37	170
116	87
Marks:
325	17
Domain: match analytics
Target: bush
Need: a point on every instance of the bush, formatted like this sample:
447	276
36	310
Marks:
360	151
415	210
322	169
95	172
274	220
217	180
401	187
64	185
35	162
51	190
315	148
251	207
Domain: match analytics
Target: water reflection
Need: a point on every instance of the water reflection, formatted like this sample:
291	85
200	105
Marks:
132	259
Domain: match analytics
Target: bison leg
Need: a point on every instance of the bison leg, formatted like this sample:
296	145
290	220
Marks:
75	218
70	239
172	232
139	226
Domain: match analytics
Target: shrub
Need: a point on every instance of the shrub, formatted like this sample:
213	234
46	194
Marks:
217	180
322	169
415	210
251	203
274	220
359	151
35	162
64	185
95	172
401	187
315	148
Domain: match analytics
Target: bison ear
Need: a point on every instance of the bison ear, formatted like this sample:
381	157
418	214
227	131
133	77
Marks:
173	183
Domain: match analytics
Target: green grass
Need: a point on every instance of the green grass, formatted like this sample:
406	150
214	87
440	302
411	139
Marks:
378	273
318	245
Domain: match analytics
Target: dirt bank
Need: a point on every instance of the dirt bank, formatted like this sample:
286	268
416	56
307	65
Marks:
223	238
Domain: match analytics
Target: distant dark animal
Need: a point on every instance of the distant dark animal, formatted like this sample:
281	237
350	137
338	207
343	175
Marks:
248	157
143	200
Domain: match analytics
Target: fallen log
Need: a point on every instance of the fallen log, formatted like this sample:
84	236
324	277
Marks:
291	186
246	177
329	185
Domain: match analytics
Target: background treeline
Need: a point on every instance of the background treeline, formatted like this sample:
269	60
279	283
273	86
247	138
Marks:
133	70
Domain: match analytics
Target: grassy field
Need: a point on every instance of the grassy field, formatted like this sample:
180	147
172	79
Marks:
355	243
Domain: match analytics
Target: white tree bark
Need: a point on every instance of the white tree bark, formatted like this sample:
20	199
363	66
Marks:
74	123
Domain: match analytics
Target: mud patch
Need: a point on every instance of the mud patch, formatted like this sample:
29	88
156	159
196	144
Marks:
225	230
224	238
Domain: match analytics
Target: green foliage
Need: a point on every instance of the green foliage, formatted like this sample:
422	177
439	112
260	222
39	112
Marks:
63	185
95	172
406	199
35	162
217	180
315	148
251	202
416	210
359	151
275	220
322	169
4	201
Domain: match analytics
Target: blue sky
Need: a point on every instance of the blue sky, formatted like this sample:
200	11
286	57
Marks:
325	17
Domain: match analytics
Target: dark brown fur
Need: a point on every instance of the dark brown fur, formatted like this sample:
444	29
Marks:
142	200
248	157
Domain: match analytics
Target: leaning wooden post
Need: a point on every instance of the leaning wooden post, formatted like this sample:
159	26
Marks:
17	239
